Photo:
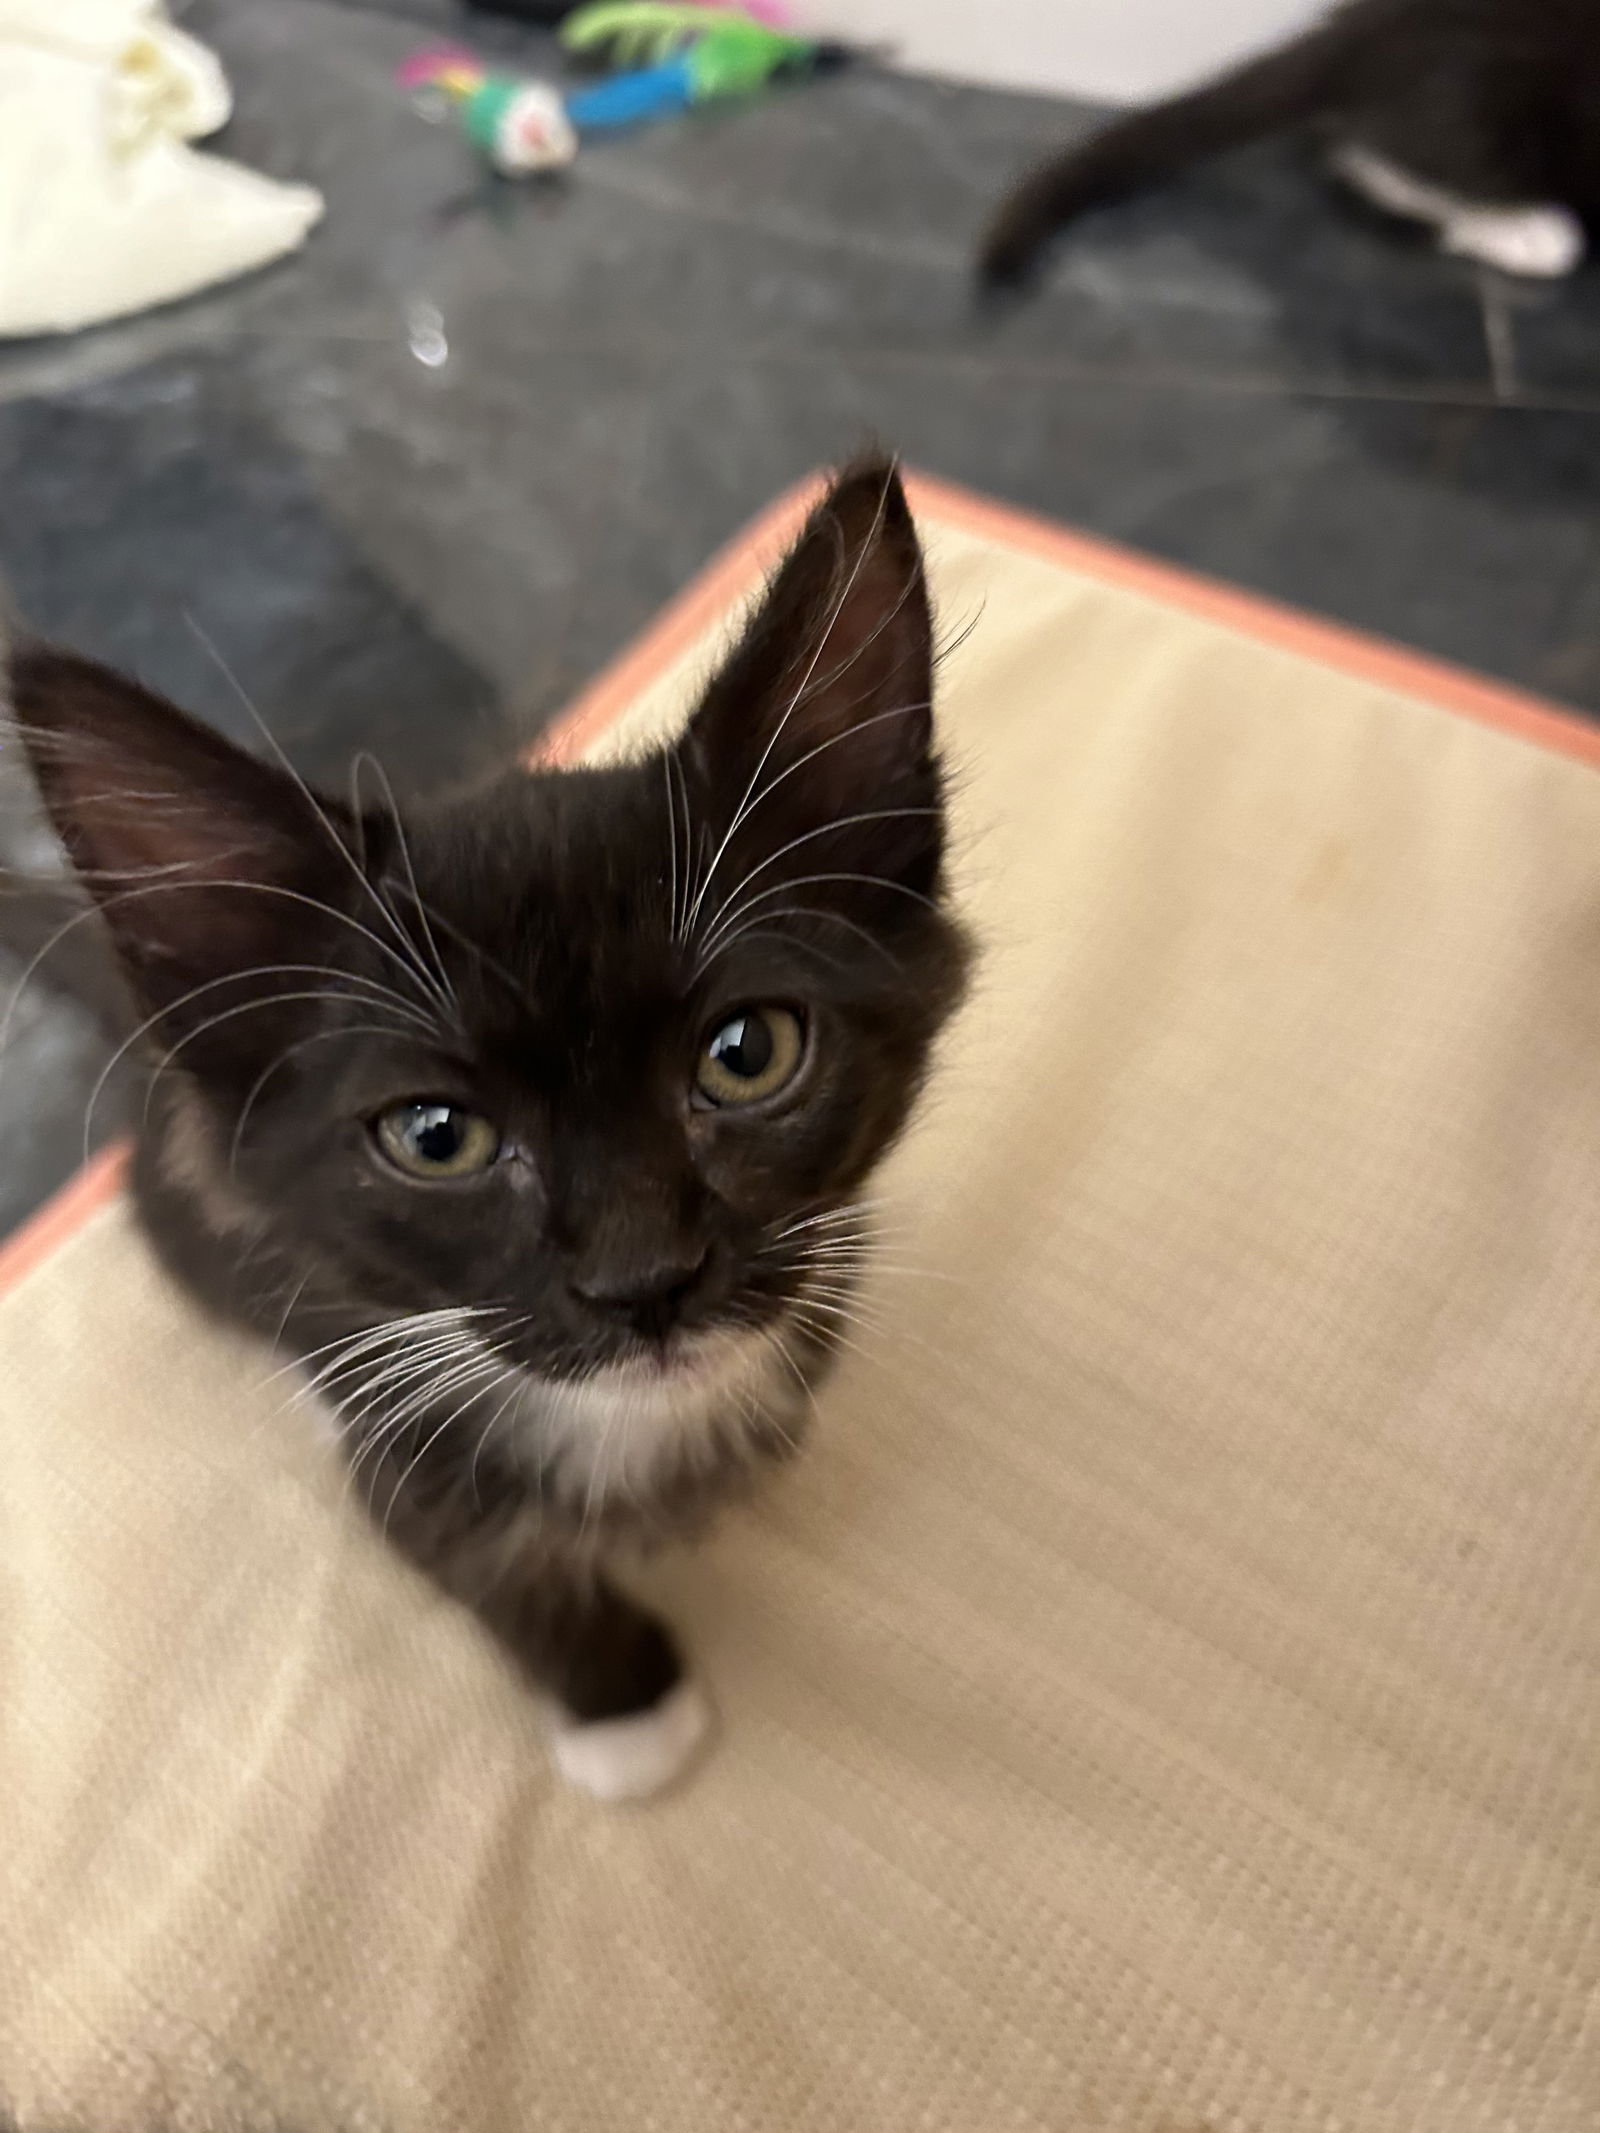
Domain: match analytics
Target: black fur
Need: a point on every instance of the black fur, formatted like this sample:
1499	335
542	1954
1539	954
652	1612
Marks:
1495	100
551	952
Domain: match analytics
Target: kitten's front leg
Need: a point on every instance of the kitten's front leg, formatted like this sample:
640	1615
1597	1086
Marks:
629	1717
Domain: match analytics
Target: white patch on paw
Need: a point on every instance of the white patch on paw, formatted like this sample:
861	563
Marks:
1545	239
631	1758
1542	241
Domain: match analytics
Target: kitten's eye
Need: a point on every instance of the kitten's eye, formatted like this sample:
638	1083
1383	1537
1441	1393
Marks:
436	1140
753	1055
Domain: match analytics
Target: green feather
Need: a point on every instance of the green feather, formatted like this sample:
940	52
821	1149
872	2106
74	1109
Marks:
730	54
635	33
739	56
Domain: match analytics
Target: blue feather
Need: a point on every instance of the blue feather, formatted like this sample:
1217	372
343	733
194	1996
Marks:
629	99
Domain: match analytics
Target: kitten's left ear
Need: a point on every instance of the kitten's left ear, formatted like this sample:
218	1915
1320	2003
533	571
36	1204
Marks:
206	862
830	689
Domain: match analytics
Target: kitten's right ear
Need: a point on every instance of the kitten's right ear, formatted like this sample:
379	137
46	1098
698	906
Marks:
825	705
200	856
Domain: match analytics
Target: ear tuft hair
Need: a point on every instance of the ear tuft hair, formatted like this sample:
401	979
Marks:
202	859
826	704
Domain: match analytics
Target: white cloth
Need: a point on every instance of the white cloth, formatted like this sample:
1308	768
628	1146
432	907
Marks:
104	207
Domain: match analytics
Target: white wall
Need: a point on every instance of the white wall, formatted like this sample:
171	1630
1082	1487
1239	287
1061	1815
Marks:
1115	50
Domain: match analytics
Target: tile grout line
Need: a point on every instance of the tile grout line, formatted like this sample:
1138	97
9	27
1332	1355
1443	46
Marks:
1499	335
1501	389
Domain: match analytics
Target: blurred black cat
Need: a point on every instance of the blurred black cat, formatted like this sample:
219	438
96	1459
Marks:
1480	118
535	1122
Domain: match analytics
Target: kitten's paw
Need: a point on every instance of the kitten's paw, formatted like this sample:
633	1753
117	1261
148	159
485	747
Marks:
631	1758
1541	241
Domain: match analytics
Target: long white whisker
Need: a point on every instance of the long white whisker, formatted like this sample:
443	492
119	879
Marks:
440	1346
342	1349
97	908
680	921
743	807
319	1036
390	1328
321	814
432	1439
865	881
854	1211
439	969
518	1383
786	1357
834	740
672	839
825	829
289	1308
770	922
211	1022
830	1335
384	1370
396	1421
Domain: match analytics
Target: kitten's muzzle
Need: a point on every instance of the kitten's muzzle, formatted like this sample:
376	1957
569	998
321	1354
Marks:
651	1300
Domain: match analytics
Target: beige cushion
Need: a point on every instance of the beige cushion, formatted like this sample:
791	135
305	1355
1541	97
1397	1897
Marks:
1165	1697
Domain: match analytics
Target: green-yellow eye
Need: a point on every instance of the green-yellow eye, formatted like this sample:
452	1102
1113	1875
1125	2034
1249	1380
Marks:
752	1055
436	1140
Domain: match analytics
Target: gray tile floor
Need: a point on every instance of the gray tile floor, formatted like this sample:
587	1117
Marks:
1243	372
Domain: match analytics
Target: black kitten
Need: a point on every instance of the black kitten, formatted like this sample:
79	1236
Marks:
535	1121
1478	117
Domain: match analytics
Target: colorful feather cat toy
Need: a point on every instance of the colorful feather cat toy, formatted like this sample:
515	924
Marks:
669	58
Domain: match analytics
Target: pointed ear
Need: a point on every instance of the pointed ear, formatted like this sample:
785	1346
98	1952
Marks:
200	857
829	691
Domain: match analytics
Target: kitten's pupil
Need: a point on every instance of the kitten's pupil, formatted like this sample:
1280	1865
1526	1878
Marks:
744	1047
436	1133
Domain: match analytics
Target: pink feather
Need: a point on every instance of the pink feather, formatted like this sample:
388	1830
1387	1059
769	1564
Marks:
772	12
426	66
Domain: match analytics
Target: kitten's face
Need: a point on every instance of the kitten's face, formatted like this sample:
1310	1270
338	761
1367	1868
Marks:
592	1122
594	1055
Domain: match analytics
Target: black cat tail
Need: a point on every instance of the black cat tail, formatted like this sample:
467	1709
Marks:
1275	91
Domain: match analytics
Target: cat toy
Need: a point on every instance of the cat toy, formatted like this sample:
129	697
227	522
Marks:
518	124
667	59
551	11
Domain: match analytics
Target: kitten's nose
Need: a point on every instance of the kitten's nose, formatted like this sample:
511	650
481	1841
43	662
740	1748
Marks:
648	1298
